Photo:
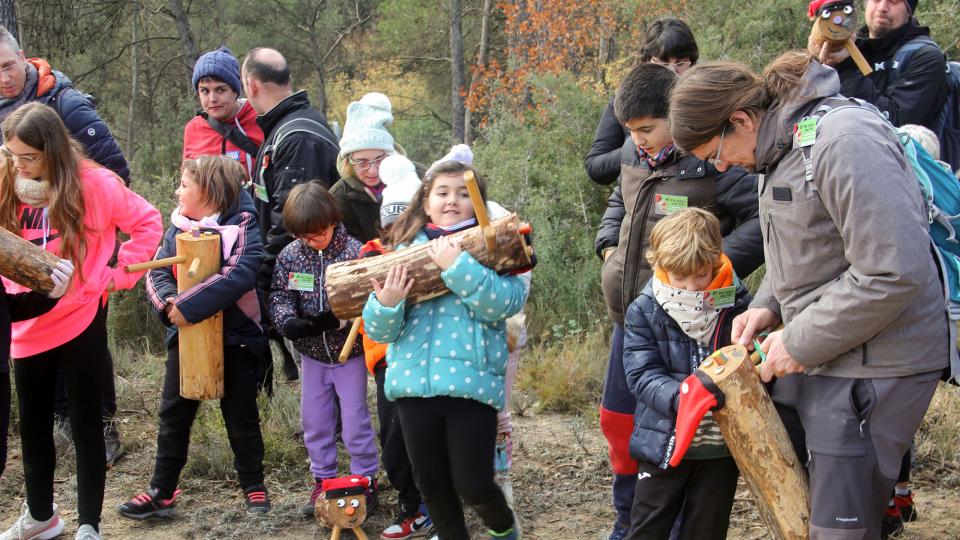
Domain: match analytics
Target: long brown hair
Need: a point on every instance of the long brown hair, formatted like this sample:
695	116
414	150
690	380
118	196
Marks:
704	98
39	126
415	217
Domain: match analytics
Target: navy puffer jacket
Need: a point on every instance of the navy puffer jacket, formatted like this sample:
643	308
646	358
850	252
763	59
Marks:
657	357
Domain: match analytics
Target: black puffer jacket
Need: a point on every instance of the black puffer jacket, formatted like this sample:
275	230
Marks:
912	95
300	157
657	357
603	159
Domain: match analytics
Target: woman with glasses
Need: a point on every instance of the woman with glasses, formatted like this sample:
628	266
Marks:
668	42
363	147
54	197
849	272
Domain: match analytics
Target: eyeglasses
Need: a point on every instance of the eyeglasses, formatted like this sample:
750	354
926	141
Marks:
362	165
716	159
8	69
316	237
31	159
677	67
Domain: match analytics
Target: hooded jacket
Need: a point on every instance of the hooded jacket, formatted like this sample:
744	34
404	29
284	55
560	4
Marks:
631	214
913	95
108	206
55	89
201	139
230	290
301	157
849	267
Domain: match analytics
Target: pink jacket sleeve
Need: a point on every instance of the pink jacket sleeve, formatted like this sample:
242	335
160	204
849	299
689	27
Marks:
136	217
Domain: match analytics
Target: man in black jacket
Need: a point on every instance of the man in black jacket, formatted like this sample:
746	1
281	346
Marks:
299	146
912	93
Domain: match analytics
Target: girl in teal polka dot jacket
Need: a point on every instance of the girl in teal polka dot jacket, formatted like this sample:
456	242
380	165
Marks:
447	358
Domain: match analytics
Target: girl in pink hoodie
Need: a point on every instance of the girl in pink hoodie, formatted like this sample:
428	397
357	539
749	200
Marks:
54	197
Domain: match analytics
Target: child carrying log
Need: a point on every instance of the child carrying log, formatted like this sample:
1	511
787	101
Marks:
447	358
300	311
211	199
682	315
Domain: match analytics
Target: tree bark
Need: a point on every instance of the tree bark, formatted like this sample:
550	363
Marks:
134	84
24	263
468	134
348	283
456	69
190	52
760	445
8	18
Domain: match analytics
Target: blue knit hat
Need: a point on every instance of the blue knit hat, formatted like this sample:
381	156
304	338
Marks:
366	125
219	64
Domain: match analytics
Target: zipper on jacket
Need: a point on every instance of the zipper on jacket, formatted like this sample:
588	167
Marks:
772	235
626	256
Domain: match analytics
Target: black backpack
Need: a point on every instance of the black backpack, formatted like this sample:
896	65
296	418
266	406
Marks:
947	126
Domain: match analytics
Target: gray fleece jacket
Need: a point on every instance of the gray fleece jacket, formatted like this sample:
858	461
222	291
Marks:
849	267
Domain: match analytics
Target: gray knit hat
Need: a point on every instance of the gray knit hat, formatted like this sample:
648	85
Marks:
366	125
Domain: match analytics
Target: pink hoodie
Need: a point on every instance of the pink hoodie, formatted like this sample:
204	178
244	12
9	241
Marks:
108	205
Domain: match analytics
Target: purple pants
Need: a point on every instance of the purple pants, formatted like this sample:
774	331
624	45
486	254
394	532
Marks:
318	385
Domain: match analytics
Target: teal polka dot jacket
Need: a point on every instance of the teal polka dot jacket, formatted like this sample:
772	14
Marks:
453	345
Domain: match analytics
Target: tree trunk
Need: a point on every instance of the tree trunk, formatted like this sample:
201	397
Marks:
25	263
190	52
348	283
456	69
134	85
8	18
481	61
760	445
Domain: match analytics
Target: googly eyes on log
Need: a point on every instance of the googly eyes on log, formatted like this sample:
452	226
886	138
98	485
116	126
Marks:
847	10
341	503
825	14
355	503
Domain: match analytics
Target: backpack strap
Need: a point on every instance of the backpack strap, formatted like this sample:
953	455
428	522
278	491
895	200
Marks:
297	125
821	112
234	134
903	54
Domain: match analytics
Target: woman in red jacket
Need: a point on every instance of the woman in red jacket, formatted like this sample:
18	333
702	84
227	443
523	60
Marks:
51	195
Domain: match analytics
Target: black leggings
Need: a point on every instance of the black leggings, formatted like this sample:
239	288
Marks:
4	418
393	451
451	444
80	360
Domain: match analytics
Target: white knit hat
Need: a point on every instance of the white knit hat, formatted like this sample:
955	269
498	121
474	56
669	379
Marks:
460	153
366	125
926	138
402	185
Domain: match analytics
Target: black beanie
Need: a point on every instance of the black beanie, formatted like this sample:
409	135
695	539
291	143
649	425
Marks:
912	4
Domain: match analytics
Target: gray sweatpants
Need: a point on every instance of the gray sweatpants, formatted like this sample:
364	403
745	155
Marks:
857	431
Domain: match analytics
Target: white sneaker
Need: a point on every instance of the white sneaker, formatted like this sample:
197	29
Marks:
27	528
87	532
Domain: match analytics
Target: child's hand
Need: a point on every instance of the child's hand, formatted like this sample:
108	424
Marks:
444	251
395	288
174	314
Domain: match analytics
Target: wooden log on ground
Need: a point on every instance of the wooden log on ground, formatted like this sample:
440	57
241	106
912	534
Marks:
760	445
25	263
201	344
348	283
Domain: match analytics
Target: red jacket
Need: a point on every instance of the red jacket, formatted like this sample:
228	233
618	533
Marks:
200	139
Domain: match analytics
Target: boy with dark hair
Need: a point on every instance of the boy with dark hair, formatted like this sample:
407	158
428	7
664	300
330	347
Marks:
656	181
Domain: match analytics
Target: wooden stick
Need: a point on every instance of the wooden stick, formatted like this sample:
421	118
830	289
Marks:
857	56
194	266
351	339
159	263
480	210
335	535
358	532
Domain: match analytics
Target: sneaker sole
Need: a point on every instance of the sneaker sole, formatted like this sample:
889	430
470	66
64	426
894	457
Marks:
162	513
424	532
53	532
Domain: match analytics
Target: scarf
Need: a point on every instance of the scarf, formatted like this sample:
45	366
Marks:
228	233
436	231
35	193
663	155
694	311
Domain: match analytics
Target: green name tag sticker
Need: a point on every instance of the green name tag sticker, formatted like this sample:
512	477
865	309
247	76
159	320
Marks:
806	132
669	204
297	281
260	191
722	298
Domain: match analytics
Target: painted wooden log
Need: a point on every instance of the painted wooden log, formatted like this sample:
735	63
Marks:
348	283
759	443
201	344
25	263
835	23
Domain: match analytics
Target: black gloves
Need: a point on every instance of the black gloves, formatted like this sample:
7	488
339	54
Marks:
314	325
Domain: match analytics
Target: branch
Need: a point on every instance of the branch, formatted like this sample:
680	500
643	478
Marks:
346	32
123	49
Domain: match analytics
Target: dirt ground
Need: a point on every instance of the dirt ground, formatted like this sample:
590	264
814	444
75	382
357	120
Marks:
560	478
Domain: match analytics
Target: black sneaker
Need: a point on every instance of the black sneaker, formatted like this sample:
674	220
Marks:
114	448
149	504
257	499
892	524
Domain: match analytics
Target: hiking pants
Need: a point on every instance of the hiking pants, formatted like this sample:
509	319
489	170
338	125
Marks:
857	431
80	362
241	371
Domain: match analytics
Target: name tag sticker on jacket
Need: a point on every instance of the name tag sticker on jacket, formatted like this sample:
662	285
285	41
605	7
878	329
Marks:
297	281
721	298
805	132
669	204
260	191
233	154
782	194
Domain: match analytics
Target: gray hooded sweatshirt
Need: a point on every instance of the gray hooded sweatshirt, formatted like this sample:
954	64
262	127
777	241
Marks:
849	267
